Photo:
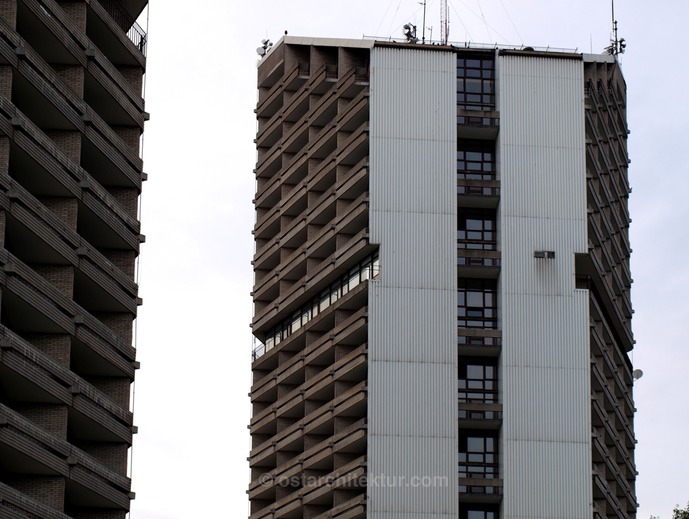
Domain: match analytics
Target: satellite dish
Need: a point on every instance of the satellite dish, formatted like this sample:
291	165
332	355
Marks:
637	374
263	50
409	31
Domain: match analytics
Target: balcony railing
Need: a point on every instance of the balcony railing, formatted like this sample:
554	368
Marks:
478	121
469	337
478	191
479	395
470	414
480	490
122	18
484	116
464	261
476	466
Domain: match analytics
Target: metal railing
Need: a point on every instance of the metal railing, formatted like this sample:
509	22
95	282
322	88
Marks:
466	261
466	414
464	338
124	20
479	465
478	121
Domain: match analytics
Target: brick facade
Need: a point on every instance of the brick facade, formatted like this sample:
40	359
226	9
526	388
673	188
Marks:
77	12
70	178
64	208
8	12
73	76
56	347
49	491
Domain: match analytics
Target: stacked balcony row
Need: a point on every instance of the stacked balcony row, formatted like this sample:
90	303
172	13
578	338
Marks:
311	204
478	267
71	117
612	418
609	282
608	192
312	266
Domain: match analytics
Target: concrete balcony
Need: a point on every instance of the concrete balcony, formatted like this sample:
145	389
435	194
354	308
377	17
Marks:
29	376
352	403
113	29
353	509
50	104
483	194
317	279
479	342
37	235
480	416
43	170
480	490
478	263
88	483
477	124
59	40
13	502
284	401
30	304
351	331
270	499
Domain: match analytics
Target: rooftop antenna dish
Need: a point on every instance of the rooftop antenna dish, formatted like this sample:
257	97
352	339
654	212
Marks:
263	50
409	31
617	45
637	374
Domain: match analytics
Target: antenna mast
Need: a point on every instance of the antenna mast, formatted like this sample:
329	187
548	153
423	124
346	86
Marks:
444	22
423	31
618	44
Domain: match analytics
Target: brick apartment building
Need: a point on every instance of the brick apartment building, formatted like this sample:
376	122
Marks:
71	119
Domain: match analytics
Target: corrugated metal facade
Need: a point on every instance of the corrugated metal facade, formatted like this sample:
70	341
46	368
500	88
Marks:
412	413
546	431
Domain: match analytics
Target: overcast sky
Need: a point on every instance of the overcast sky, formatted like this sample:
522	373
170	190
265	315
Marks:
194	343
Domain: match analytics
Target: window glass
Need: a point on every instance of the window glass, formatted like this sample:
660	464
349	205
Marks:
474	444
475	84
476	159
369	268
325	300
475	229
474	371
476	303
296	321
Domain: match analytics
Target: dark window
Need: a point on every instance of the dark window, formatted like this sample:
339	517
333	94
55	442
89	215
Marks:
477	303
476	229
475	83
476	159
478	455
478	381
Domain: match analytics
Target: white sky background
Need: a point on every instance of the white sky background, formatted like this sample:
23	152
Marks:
194	341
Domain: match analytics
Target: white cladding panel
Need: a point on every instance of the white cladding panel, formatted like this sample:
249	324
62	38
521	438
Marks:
412	379
545	367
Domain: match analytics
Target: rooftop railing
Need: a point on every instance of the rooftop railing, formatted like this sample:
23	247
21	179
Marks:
124	20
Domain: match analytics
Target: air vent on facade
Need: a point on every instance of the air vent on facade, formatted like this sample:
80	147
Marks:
545	254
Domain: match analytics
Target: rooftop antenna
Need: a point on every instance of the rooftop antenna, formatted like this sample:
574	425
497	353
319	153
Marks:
444	22
423	32
409	31
618	44
265	47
